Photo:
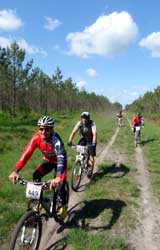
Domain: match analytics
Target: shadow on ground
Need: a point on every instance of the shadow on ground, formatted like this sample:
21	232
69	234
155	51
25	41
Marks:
91	210
58	245
143	142
117	170
82	218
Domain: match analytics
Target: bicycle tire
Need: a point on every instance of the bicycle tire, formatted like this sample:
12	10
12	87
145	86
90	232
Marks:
76	175
137	138
27	233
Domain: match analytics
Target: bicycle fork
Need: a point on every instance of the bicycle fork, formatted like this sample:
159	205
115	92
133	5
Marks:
28	241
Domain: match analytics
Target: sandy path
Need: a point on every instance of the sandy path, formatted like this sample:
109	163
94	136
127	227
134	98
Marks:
147	234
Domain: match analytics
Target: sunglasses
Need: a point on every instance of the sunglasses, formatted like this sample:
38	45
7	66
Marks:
44	129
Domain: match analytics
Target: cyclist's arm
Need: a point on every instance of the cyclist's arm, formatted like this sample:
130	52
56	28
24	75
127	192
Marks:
54	182
13	177
94	131
61	157
27	153
74	131
71	136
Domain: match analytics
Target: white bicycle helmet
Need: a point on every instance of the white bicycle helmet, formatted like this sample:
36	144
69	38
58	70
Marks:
85	115
45	121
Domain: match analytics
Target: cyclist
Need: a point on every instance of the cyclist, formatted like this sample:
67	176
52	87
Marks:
88	133
119	116
137	120
54	157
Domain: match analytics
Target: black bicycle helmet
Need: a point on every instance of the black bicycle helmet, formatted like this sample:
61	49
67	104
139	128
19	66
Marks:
46	121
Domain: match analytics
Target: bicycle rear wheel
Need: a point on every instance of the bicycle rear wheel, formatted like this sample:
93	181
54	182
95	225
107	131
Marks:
76	175
27	233
137	138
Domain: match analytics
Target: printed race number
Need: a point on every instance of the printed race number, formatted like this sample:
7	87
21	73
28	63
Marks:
33	191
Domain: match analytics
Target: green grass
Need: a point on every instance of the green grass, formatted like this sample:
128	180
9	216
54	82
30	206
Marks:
80	238
14	134
151	148
110	201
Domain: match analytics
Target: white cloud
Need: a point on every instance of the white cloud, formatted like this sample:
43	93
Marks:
108	36
9	21
91	72
81	84
51	24
152	43
6	42
31	49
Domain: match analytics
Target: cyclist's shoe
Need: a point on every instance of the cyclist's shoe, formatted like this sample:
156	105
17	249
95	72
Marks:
62	212
89	173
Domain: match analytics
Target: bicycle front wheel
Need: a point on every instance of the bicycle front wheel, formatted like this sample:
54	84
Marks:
27	233
76	175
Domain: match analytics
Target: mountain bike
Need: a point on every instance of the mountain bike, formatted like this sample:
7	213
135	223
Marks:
137	135
27	233
80	165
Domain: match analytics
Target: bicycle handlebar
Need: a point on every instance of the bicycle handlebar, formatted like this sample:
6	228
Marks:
23	182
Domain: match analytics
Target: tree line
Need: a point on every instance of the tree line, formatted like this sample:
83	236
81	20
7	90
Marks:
27	88
149	103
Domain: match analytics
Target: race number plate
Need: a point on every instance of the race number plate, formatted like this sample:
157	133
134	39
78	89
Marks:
33	191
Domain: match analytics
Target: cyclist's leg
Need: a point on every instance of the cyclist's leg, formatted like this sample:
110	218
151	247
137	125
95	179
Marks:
62	187
92	154
64	195
62	191
42	169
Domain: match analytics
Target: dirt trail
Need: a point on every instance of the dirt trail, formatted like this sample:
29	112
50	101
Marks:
52	232
147	234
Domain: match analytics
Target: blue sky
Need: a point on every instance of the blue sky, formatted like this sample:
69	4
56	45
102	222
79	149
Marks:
111	47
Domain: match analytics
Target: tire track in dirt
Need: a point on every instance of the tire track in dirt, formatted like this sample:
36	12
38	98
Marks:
53	233
147	233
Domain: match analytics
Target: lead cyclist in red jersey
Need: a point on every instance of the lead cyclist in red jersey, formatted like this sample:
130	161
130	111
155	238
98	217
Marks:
54	156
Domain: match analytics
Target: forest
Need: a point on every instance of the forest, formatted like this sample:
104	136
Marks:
25	88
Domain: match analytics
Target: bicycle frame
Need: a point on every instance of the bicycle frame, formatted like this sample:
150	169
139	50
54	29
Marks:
82	155
28	230
80	165
39	201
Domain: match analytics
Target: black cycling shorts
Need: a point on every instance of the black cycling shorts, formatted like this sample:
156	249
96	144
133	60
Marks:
91	148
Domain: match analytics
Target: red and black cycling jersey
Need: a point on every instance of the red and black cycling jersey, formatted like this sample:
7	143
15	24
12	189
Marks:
51	148
136	121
